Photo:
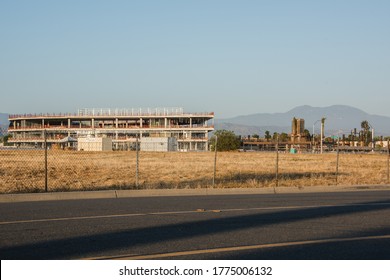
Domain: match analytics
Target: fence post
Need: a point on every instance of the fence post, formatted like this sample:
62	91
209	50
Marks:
137	162
215	160
337	162
46	171
388	163
277	163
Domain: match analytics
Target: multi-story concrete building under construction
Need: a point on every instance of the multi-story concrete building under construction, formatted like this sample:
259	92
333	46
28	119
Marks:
121	125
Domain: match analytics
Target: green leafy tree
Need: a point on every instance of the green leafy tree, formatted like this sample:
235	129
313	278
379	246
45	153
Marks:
267	135
283	137
226	141
4	139
306	133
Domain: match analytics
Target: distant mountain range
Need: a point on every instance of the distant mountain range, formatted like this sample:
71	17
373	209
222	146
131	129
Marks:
339	119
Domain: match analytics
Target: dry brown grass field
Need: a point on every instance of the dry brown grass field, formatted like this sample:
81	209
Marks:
23	170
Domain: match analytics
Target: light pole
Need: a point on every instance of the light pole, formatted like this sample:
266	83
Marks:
372	136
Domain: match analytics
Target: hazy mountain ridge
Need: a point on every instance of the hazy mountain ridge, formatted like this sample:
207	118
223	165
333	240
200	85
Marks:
339	119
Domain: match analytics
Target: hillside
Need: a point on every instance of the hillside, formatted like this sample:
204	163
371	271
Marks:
339	118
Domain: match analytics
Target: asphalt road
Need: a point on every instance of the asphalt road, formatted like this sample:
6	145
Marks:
350	225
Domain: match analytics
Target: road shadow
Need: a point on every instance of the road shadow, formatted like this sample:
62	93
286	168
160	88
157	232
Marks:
364	249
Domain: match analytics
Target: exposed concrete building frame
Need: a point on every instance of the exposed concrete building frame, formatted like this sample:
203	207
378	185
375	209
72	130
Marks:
298	130
122	125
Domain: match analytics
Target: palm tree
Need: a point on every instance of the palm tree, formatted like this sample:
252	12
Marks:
267	135
365	125
366	131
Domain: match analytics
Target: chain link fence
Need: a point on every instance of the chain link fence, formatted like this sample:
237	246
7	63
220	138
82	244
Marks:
53	168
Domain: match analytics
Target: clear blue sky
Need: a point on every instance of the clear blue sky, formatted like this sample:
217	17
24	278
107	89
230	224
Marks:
230	57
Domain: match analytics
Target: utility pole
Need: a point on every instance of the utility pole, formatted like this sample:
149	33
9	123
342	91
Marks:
322	132
372	137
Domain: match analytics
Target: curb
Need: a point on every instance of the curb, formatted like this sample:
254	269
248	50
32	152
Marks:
113	194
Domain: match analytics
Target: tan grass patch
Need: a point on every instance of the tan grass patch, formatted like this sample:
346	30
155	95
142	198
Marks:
23	170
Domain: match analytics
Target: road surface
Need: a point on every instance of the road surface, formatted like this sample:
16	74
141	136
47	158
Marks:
342	225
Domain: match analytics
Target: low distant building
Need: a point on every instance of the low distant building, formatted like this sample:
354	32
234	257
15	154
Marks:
95	144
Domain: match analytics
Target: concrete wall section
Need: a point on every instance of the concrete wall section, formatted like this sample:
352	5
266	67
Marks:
94	144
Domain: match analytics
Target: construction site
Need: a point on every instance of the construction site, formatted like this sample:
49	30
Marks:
97	150
123	127
300	140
